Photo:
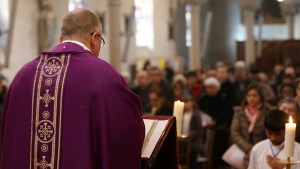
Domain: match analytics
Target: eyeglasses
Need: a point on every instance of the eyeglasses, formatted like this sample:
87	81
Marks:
102	39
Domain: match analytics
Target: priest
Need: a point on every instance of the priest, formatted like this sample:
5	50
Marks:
68	109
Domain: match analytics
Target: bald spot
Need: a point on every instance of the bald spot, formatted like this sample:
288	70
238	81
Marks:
80	23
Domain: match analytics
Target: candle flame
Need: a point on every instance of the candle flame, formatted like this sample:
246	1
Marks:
291	119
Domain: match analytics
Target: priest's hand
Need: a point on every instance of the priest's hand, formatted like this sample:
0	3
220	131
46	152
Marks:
273	162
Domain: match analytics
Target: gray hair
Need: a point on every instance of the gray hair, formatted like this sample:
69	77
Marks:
289	100
212	81
80	23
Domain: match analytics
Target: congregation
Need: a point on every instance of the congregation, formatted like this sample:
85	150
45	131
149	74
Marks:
232	98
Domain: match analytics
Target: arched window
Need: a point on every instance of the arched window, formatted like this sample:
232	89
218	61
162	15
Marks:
75	4
144	23
4	22
188	20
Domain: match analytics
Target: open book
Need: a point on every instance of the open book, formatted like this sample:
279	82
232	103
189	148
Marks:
153	131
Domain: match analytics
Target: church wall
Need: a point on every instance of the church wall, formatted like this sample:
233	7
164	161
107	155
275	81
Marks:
24	42
163	46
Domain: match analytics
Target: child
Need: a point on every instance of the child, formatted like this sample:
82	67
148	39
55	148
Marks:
192	126
265	154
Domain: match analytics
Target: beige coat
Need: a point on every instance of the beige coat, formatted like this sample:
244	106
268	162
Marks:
239	128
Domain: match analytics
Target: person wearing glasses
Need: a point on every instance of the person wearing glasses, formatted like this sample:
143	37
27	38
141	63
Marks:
68	109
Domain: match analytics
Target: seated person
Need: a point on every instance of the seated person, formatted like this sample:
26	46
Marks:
159	105
206	120
265	154
192	126
291	108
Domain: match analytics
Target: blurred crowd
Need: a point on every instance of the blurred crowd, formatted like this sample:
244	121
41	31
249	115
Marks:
232	98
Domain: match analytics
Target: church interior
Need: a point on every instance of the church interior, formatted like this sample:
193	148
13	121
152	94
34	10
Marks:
205	53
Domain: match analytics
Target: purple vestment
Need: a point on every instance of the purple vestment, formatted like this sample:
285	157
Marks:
68	109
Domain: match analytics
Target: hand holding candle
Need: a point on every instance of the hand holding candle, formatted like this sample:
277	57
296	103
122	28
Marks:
289	141
178	113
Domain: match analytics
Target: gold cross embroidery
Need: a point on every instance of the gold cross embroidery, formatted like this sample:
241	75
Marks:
43	164
45	131
52	67
47	98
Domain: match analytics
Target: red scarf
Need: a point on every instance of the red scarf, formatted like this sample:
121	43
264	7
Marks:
251	113
253	110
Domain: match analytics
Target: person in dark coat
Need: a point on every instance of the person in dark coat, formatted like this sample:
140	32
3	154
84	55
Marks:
157	80
142	88
158	105
214	104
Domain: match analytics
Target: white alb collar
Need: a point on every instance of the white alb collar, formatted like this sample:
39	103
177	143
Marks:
78	43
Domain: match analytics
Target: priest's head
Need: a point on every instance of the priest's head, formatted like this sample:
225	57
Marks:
275	126
83	26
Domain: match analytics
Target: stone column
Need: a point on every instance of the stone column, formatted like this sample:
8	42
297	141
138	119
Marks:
114	33
195	54
289	9
249	7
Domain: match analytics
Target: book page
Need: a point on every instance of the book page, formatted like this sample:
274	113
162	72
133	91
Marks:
149	127
154	137
149	124
234	156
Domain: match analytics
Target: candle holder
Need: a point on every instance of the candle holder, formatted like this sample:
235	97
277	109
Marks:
288	163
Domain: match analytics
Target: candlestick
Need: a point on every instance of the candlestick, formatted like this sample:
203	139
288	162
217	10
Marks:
178	113
289	140
288	165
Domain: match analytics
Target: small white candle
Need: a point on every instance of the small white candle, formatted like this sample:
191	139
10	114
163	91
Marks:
289	140
178	113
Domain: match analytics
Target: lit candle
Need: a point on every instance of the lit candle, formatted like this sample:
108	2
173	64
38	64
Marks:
289	140
178	113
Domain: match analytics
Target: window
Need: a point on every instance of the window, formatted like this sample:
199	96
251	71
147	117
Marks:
75	4
4	22
144	23
188	21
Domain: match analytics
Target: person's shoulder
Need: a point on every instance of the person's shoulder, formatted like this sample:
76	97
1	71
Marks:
29	66
268	107
297	145
238	108
26	72
93	63
297	150
107	70
260	145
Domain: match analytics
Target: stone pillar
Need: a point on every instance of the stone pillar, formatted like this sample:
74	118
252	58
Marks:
249	7
114	33
195	54
289	9
180	31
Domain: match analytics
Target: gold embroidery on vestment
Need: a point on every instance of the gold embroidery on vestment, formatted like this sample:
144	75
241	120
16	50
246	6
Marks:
43	164
52	67
47	98
32	110
44	148
46	115
46	130
48	82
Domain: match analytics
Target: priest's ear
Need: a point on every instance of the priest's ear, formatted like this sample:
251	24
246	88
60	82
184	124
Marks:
93	39
60	39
